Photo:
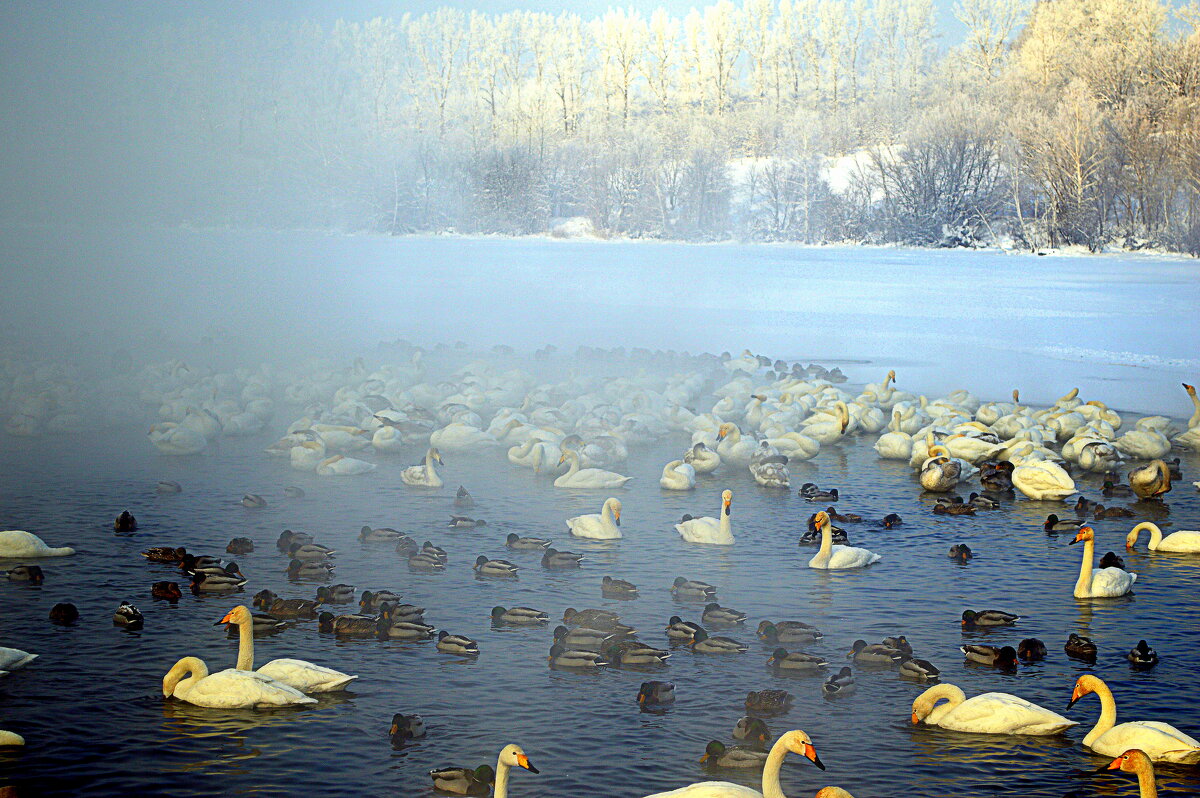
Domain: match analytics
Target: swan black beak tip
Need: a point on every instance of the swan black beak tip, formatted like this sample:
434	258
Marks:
817	761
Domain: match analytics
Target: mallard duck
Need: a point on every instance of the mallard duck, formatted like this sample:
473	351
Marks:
715	645
128	616
519	616
191	563
1112	488
845	518
240	546
553	558
921	670
953	509
389	628
733	756
515	541
563	657
1031	649
372	600
633	652
996	478
488	567
583	638
1080	647
435	551
406	546
656	693
335	594
462	498
815	494
403	612
287	537
1005	657
961	552
165	554
983	502
348	625
464	781
64	613
422	561
208	583
781	660
606	620
768	701
679	629
862	651
688	588
891	520
293	492
1100	512
253	501
309	569
1085	506
125	522
749	728
166	486
716	615
1142	656
1111	560
987	618
406	727
278	607
456	644
309	551
900	643
463	522
617	588
812	535
166	590
787	632
1056	524
839	684
27	573
381	534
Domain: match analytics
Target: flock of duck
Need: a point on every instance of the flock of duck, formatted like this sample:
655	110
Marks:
767	416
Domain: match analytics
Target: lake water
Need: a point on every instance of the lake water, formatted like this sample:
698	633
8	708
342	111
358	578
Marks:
90	707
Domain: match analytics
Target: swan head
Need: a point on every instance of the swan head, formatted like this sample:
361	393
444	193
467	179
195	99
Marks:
1132	761
513	756
726	501
436	456
1084	685
1085	533
724	430
798	742
821	519
614	506
187	665
239	615
1191	389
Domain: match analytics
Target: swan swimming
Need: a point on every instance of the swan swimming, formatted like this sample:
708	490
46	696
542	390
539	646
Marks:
605	525
707	529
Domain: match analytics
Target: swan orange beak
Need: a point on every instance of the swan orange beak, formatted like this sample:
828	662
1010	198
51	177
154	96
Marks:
523	761
721	435
226	619
1077	694
617	517
915	719
1113	765
811	753
562	459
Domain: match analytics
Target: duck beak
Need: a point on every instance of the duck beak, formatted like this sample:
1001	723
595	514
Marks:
704	758
811	753
393	729
641	698
523	761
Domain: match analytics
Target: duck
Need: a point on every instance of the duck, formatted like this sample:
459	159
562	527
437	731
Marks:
1142	656
1161	742
715	645
634	653
842	518
1100	512
997	478
402	612
1150	481
555	559
27	573
227	689
298	674
795	741
751	728
734	756
309	551
456	644
128	616
830	495
891	521
293	492
388	627
215	583
253	501
1043	480
167	486
690	588
677	475
702	459
1184	541
988	618
877	653
484	566
983	502
239	546
1113	489
583	638
464	781
709	530
166	590
587	477
961	552
424	475
17	543
368	534
812	533
1136	761
617	588
839	684
943	508
335	594
782	660
1031	649
464	522
1099	582
605	525
679	629
125	522
165	554
519	616
768	701
348	625
463	498
606	620
518	543
287	537
1005	657
563	657
788	632
770	470
900	643
438	552
406	727
919	670
1080	647
1111	560
309	569
831	557
278	607
656	693
716	615
987	713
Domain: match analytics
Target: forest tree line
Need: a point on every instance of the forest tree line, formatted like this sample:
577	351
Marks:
1061	122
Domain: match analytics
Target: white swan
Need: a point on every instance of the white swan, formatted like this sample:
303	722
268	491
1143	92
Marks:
510	755
171	438
894	444
677	475
988	713
1043	479
702	459
1099	582
342	466
587	477
797	447
307	456
1162	742
457	436
1143	444
707	529
13	658
795	741
828	427
17	543
734	449
604	525
532	453
296	673
426	474
831	557
1184	541
227	689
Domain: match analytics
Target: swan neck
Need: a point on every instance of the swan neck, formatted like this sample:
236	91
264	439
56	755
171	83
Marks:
826	550
502	769
1083	586
1194	421
245	660
1147	788
1108	712
770	778
1156	534
526	447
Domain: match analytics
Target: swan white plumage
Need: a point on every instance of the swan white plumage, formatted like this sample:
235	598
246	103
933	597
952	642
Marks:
894	444
827	427
604	525
307	456
795	741
1099	582
831	557
1143	444
18	543
1162	742
457	436
13	658
227	689
425	474
733	448
586	477
1185	541
795	446
702	459
171	438
710	530
1043	479
295	673
677	475
532	453
988	713
342	466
